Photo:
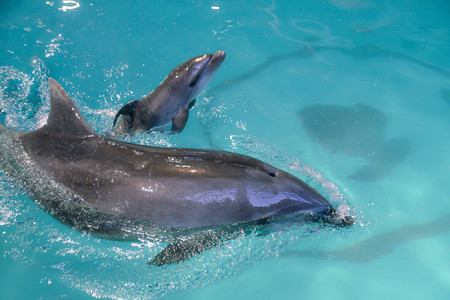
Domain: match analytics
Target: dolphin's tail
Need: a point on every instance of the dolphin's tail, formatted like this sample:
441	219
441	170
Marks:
128	110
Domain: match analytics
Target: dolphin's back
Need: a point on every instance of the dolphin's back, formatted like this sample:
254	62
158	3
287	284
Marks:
176	187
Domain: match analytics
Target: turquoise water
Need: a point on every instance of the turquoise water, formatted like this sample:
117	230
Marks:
352	96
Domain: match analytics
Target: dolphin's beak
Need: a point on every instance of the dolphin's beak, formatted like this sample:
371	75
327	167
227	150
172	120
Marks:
209	65
214	62
217	58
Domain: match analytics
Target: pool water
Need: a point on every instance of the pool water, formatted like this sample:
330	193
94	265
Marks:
351	96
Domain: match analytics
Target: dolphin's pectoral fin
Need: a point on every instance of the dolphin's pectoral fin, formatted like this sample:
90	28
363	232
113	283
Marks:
127	110
192	103
180	119
181	250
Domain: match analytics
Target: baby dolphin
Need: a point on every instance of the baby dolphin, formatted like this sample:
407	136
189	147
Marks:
172	99
193	199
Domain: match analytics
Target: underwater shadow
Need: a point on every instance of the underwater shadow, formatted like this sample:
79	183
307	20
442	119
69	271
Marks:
361	53
364	52
373	51
446	95
271	60
358	131
380	244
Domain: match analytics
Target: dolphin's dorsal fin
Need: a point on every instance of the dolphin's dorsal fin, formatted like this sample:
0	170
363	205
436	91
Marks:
64	117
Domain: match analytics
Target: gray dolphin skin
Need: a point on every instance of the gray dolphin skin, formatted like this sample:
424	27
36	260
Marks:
172	99
192	199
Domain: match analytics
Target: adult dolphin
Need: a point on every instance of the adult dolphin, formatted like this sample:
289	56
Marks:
191	198
172	99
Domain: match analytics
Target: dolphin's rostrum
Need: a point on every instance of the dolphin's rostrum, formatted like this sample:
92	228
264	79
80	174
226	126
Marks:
172	99
190	198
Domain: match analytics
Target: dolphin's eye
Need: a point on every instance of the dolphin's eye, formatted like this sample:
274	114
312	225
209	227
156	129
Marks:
272	173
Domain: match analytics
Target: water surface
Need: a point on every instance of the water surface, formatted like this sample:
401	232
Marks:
284	58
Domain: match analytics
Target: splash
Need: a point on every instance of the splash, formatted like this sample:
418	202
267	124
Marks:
69	7
22	95
54	46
